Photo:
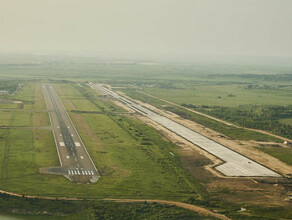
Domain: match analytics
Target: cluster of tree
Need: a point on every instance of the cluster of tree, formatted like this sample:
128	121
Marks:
265	87
9	85
91	209
253	116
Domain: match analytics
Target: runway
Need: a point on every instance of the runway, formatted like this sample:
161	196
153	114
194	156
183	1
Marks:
234	164
75	162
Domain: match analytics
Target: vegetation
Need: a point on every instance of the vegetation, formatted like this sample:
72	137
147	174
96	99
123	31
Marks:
229	131
120	146
134	160
30	208
252	116
9	85
283	154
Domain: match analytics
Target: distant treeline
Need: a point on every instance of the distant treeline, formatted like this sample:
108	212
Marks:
264	77
9	85
264	117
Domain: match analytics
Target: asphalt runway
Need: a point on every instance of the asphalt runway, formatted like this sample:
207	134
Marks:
75	162
234	164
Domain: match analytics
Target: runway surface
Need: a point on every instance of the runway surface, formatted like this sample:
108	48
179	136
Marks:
234	164
75	162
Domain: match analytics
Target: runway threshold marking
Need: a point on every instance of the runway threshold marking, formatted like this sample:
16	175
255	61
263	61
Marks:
77	144
58	105
81	172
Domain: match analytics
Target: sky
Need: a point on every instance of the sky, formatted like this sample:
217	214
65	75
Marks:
177	28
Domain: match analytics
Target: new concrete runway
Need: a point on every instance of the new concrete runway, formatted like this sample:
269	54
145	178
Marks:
76	164
234	164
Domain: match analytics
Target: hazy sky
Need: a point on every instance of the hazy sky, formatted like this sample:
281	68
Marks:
149	27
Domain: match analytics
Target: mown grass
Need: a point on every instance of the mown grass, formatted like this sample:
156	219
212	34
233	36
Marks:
134	160
5	118
223	95
283	154
287	121
29	112
8	106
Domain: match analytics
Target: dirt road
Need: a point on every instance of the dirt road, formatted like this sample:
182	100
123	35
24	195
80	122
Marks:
194	208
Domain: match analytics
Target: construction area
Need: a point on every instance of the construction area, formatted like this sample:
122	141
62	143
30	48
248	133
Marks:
234	164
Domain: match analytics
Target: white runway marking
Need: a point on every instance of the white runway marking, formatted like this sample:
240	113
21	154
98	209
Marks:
82	172
56	112
77	144
85	172
92	173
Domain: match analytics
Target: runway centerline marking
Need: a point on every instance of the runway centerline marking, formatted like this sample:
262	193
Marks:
66	146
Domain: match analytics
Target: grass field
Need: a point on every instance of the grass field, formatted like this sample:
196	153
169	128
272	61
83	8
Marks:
134	160
283	154
120	147
232	132
223	95
287	121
